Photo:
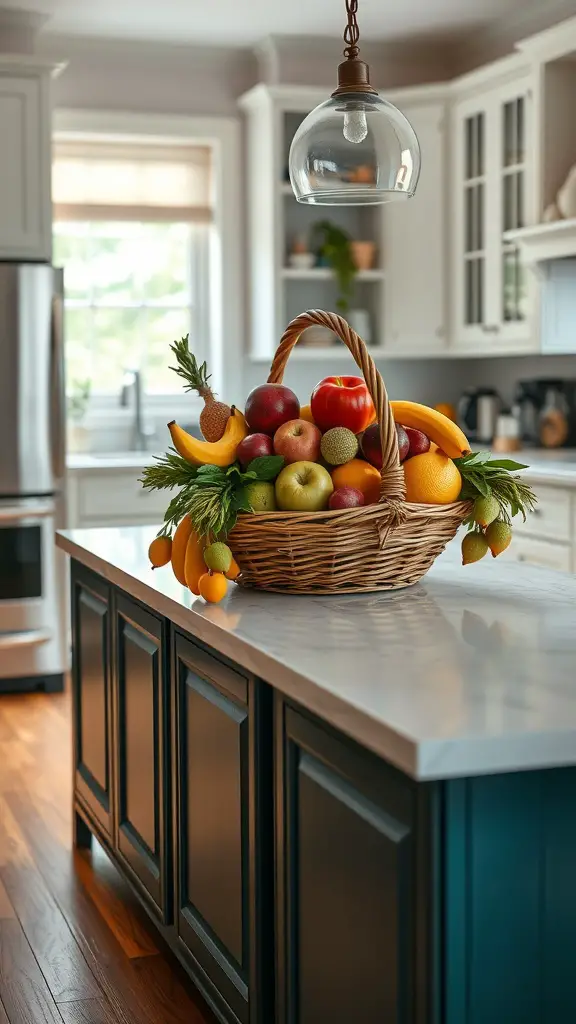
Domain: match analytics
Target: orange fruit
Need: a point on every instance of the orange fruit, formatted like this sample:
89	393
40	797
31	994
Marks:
432	479
160	551
233	571
306	414
212	586
360	474
447	409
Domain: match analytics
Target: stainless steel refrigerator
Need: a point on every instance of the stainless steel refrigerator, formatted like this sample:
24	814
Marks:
32	473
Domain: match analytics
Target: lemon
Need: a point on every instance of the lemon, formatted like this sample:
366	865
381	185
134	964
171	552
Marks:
486	510
498	537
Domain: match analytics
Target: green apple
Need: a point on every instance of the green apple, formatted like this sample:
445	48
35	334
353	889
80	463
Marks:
303	487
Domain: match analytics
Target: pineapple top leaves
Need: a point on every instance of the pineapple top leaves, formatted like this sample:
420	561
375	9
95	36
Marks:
195	376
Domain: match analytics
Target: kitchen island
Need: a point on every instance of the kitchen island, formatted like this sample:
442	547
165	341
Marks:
338	810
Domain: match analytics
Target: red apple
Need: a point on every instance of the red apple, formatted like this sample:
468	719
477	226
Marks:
372	449
418	441
269	406
346	497
254	446
298	441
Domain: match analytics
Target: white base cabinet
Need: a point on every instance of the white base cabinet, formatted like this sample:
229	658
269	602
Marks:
112	498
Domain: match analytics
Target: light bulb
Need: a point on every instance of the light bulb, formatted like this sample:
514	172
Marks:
355	126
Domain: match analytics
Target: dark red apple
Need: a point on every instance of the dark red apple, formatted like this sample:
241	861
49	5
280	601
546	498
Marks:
418	441
269	406
346	497
372	449
254	446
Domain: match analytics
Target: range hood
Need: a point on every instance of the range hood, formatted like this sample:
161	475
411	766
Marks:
545	242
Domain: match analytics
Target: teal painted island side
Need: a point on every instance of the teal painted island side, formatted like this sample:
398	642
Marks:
297	868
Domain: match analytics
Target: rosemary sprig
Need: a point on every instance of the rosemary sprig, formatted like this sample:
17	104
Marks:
485	476
170	471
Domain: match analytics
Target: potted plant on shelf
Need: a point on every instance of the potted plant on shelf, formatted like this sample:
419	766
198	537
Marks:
77	406
334	250
337	250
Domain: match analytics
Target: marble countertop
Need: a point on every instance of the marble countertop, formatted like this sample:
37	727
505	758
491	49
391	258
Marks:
471	671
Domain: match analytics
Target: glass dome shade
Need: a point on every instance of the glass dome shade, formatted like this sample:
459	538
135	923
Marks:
354	149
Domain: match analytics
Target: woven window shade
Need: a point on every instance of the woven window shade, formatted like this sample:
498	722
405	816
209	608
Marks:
127	181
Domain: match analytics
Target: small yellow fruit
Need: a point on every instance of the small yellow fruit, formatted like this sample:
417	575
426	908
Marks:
498	537
474	547
218	557
212	587
160	551
486	510
306	414
448	410
234	570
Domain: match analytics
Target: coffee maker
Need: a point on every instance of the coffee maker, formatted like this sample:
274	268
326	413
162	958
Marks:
530	398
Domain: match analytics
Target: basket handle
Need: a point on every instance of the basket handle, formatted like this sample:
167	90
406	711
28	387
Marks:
392	473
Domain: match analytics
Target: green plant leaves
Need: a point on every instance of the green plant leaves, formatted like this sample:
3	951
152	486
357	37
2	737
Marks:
266	467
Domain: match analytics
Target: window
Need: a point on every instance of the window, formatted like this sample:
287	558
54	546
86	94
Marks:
132	231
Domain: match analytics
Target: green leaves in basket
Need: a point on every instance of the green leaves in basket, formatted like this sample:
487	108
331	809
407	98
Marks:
481	474
211	496
267	467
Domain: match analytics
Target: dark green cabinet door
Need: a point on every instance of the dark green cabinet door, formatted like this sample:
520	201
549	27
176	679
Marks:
91	690
221	832
347	928
141	745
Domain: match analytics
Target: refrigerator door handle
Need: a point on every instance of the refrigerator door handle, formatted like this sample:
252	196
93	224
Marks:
14	514
58	390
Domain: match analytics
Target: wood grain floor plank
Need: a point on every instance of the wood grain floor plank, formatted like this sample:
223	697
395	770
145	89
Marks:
134	992
88	1011
6	908
120	910
48	935
24	992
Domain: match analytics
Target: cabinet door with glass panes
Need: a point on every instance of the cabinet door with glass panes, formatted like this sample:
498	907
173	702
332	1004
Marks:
493	198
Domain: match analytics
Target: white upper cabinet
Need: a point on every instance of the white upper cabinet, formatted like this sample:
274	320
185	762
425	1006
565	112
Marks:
494	154
415	246
25	159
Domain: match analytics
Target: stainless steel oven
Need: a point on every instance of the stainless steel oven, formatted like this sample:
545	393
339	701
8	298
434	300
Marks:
32	630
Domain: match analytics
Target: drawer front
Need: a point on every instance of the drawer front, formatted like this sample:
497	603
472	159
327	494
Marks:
119	496
552	517
539	552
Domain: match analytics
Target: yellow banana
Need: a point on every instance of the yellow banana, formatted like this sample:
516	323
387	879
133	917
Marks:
179	545
442	431
194	564
211	453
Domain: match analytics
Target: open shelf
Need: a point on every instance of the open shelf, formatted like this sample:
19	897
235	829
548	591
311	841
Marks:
544	242
326	274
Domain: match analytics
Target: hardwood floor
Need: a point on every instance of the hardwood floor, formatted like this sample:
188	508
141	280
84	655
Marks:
75	946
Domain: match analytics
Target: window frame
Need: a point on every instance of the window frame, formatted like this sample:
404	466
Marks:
226	315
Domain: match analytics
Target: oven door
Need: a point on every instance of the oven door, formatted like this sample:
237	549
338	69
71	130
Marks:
30	602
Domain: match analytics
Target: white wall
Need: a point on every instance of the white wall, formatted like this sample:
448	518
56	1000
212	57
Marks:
149	77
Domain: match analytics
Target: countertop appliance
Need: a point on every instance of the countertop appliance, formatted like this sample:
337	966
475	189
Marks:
478	411
33	648
530	399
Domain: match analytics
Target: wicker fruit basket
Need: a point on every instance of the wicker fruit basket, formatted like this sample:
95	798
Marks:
384	546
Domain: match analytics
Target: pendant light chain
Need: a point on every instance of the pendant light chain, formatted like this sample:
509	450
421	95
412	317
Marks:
351	32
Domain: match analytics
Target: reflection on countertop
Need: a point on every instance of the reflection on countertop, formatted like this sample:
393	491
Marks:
471	671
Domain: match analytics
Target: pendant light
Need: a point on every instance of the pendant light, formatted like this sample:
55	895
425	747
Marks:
356	148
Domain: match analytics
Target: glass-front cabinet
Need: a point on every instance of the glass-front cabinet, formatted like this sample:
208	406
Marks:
493	197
